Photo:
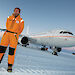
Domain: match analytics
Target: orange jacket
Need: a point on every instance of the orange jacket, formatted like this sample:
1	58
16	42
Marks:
15	24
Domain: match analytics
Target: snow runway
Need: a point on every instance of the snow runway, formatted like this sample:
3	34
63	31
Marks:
35	62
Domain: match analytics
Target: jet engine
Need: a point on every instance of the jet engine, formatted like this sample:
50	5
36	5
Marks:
23	41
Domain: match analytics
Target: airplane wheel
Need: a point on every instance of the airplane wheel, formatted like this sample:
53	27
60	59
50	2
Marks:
46	48
43	49
73	53
58	49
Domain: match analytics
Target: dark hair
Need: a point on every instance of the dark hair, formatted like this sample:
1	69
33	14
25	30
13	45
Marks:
18	9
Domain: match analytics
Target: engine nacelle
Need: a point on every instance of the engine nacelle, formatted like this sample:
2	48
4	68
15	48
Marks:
23	40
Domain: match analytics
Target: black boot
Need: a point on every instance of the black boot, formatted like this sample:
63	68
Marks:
9	69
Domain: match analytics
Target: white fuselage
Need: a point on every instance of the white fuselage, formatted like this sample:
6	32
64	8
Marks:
54	38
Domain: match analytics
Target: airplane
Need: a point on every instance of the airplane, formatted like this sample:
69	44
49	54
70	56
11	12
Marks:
55	39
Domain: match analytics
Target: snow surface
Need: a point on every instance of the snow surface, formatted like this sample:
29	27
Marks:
35	62
29	61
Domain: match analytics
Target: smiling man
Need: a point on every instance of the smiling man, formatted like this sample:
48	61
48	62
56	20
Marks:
14	27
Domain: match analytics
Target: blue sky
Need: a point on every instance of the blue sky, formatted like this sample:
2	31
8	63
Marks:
41	15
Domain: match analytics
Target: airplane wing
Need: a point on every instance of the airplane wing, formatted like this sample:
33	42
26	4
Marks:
2	32
2	29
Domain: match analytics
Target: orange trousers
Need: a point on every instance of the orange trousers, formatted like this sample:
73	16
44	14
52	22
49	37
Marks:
10	39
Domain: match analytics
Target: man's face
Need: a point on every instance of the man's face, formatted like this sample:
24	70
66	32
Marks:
16	12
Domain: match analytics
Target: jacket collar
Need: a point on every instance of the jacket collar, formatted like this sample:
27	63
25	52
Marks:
16	17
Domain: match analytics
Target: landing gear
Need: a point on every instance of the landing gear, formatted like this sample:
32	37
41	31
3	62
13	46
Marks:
55	50
73	53
25	45
55	53
44	48
58	49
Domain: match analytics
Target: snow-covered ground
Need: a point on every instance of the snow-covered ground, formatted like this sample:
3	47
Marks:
29	61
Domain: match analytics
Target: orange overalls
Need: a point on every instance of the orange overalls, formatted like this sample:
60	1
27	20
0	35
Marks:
14	27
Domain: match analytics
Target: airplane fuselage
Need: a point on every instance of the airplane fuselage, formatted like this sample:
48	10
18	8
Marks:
54	39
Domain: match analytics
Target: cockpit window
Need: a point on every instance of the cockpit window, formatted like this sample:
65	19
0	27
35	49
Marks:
64	32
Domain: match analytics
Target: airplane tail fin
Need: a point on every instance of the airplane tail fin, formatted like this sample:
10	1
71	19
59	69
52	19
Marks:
27	31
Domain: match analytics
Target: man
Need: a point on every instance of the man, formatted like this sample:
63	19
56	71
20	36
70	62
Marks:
14	27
